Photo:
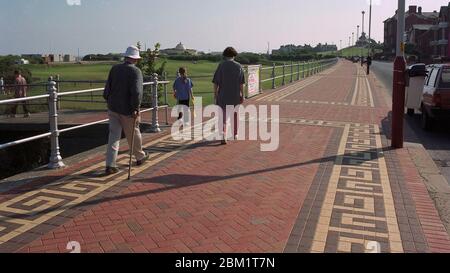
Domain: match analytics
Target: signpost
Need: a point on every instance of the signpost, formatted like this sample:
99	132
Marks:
253	81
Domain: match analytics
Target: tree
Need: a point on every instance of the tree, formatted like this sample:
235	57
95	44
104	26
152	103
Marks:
8	66
148	62
148	67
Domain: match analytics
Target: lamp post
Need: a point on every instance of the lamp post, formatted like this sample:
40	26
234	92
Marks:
369	54
399	83
362	34
353	44
357	32
363	15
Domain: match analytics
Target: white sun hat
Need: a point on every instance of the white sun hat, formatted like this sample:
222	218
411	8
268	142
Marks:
132	52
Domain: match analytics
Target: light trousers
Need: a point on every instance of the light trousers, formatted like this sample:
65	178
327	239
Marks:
117	123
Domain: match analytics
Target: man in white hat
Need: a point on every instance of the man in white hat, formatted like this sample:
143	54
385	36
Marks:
123	92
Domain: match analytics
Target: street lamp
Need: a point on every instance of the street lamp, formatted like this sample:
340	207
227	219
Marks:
369	54
362	34
363	15
353	43
357	32
399	82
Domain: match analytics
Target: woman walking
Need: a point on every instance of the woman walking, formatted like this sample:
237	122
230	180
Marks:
229	83
182	90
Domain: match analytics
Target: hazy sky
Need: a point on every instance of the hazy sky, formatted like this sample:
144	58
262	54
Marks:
102	26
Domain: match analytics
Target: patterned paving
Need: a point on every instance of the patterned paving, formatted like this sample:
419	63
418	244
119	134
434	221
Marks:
25	212
341	190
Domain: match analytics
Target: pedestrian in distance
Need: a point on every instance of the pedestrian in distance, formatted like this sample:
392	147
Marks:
229	83
123	93
182	90
20	91
2	86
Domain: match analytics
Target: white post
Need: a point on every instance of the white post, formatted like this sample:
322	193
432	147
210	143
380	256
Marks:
155	122
55	155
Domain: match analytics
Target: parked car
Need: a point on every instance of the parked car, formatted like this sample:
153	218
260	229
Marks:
436	95
414	92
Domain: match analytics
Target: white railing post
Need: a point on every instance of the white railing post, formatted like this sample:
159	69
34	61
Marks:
292	71
155	122
273	76
303	69
166	101
58	87
260	79
55	155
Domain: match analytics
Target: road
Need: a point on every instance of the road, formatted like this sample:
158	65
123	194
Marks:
437	142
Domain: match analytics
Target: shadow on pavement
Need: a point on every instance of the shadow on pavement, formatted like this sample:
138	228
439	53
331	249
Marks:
177	181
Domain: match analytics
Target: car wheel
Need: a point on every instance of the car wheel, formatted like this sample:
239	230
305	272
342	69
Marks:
410	112
427	121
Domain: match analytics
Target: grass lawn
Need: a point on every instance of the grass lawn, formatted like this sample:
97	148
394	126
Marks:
201	73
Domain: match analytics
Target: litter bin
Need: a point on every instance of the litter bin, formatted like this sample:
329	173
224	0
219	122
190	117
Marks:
414	91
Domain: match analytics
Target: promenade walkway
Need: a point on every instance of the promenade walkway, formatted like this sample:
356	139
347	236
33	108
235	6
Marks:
334	185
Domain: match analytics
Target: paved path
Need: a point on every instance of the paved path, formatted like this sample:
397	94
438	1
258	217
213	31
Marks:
334	185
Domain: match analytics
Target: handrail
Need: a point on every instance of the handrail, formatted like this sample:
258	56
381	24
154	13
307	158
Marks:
52	96
308	69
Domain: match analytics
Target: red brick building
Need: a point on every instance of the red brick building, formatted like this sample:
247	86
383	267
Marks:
414	16
440	33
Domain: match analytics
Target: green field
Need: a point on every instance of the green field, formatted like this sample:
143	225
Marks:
201	73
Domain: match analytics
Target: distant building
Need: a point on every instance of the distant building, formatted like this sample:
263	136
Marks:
58	58
414	16
22	62
292	49
440	34
180	49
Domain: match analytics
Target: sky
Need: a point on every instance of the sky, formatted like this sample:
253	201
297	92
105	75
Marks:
103	26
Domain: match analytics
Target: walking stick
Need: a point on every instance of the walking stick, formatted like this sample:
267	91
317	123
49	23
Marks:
132	147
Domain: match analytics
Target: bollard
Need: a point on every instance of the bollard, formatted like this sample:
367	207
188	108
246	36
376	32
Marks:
155	122
284	74
165	99
55	155
273	76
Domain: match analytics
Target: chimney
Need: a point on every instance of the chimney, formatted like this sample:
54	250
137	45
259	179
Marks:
420	10
412	9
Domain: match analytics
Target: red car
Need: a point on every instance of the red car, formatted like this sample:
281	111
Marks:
436	95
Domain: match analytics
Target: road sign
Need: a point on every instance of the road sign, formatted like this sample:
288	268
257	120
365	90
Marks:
253	80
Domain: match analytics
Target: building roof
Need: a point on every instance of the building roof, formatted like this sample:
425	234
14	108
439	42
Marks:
180	46
422	27
425	15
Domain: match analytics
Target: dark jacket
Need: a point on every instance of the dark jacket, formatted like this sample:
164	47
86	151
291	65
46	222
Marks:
124	89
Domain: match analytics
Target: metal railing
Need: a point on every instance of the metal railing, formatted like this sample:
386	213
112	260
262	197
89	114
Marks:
53	95
302	70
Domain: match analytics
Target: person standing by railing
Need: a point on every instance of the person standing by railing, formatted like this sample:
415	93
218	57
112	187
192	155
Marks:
123	92
229	83
2	86
20	91
182	90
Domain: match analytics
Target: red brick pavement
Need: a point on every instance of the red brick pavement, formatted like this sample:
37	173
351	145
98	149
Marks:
234	198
